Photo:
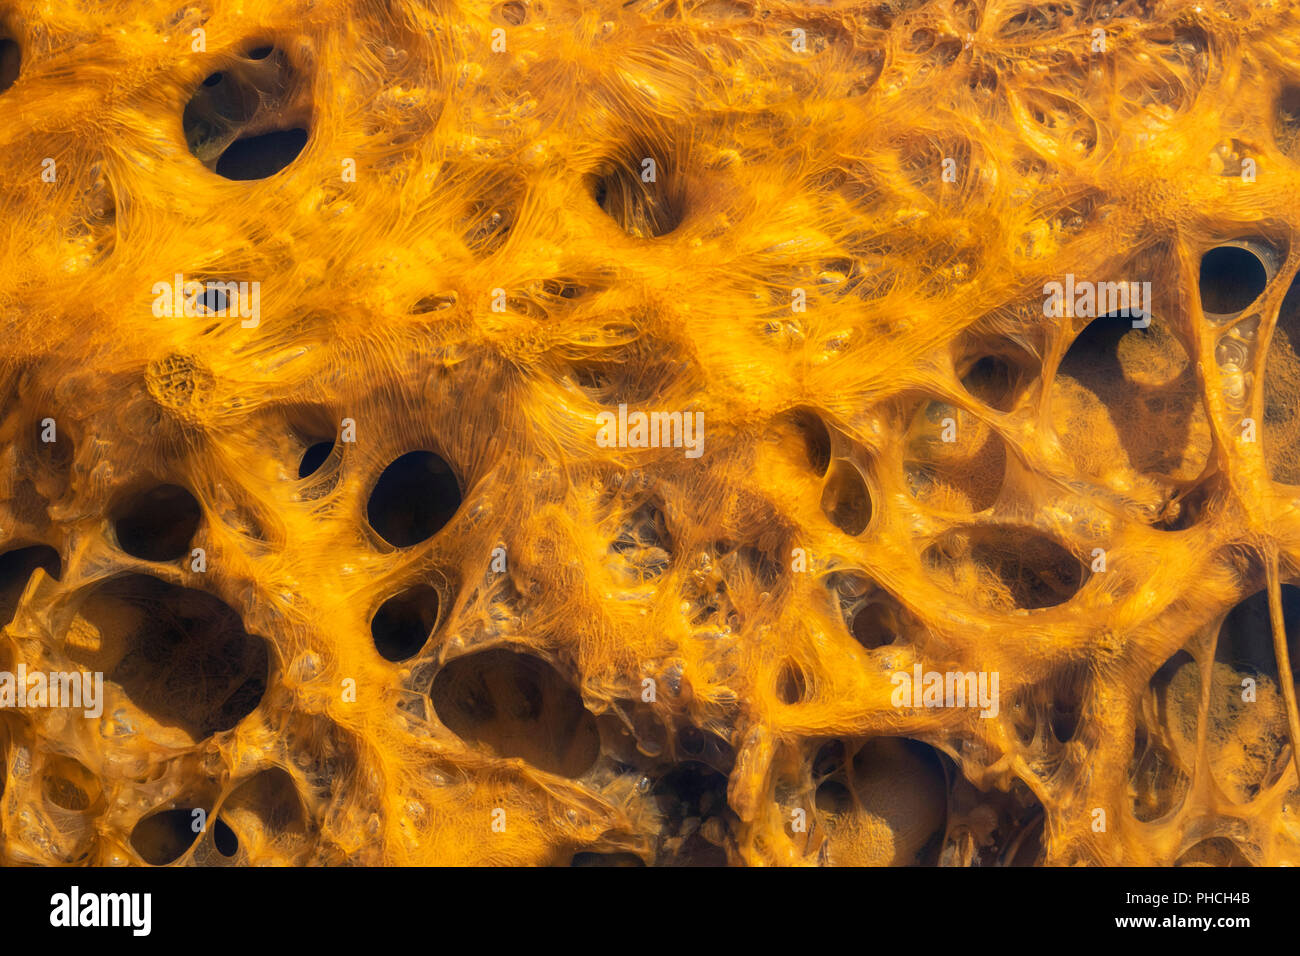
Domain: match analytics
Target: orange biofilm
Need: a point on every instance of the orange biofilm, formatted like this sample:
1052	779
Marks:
332	331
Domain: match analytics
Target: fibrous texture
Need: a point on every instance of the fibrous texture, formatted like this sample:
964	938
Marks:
324	333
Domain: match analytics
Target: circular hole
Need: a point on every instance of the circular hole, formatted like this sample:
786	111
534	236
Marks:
226	101
413	499
249	121
314	457
403	623
157	524
224	839
1231	279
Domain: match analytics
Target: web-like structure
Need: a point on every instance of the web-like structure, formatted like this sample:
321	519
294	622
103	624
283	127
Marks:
315	319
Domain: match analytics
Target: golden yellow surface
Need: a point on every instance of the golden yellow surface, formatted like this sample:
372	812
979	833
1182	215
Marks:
496	274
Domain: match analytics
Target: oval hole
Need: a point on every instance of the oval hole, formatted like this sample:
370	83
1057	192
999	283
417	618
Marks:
901	806
834	797
953	460
250	119
1158	782
641	208
874	626
314	457
413	499
512	12
164	837
156	524
993	380
845	498
1247	739
404	622
257	157
517	705
817	440
179	655
1005	568
68	785
791	686
268	811
224	839
1127	398
1231	279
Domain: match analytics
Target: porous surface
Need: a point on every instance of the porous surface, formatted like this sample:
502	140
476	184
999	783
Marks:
364	586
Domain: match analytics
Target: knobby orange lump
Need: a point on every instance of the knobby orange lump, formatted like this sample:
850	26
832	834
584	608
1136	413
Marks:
652	433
